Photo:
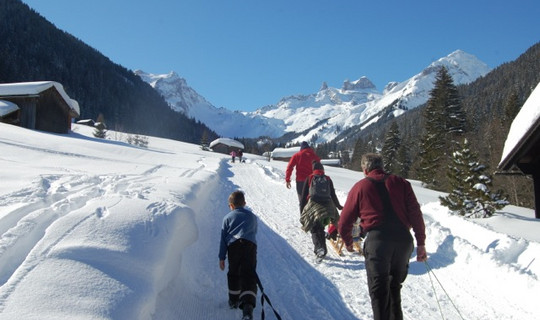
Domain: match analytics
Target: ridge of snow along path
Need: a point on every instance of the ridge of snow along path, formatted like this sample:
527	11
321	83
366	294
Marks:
100	229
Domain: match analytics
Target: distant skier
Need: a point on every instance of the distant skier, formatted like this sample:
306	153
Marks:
319	205
387	207
238	241
233	155
302	160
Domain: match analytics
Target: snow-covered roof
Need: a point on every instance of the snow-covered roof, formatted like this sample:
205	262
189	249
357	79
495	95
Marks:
34	88
331	162
525	123
228	142
7	107
284	152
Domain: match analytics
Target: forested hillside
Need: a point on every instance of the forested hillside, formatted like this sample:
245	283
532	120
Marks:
489	103
33	49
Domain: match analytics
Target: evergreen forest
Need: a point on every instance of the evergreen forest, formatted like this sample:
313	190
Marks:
33	49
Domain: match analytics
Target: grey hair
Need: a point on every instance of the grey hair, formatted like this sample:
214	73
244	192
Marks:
372	161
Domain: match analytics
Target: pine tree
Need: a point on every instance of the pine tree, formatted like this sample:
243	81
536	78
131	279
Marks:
444	122
511	109
100	130
403	161
392	142
204	138
470	195
457	175
359	150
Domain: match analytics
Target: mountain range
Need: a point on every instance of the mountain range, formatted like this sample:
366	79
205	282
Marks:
320	116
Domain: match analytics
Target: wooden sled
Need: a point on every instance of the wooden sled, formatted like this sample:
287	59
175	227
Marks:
338	245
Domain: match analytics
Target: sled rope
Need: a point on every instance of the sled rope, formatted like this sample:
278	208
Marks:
430	271
435	292
265	297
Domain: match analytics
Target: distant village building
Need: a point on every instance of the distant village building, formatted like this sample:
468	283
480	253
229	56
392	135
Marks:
285	154
43	105
331	162
225	145
522	147
87	122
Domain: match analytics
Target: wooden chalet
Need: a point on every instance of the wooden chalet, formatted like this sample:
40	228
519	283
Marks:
87	122
284	154
522	147
43	105
225	145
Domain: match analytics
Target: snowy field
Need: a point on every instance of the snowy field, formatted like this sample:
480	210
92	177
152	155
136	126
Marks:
99	229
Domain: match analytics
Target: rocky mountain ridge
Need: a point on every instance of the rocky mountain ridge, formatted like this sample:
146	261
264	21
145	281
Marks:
320	116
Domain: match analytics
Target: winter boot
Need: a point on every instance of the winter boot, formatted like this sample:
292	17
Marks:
234	304
247	312
319	255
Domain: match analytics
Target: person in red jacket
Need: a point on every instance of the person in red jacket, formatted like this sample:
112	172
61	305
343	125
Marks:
388	209
302	160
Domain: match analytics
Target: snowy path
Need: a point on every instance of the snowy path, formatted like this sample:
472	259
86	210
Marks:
93	229
335	289
296	286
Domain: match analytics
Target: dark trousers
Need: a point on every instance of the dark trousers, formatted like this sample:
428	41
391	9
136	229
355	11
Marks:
241	277
299	190
318	237
387	265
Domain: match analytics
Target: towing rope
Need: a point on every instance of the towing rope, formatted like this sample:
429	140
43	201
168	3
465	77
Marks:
430	271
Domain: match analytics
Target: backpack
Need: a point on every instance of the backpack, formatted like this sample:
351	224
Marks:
319	189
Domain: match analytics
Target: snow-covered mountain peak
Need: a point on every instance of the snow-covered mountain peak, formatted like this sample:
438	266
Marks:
360	84
182	98
463	67
152	79
323	115
176	92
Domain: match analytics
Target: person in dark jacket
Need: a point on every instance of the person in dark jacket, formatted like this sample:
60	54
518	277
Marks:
238	240
318	212
388	209
302	161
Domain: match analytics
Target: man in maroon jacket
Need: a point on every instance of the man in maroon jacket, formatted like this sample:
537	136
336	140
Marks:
388	208
303	161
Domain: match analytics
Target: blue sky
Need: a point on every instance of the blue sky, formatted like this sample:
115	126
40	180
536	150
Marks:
245	54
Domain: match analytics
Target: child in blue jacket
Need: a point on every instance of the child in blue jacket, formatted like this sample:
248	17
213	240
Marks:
238	241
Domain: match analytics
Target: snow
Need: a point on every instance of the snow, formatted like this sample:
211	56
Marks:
7	107
319	116
99	229
528	116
